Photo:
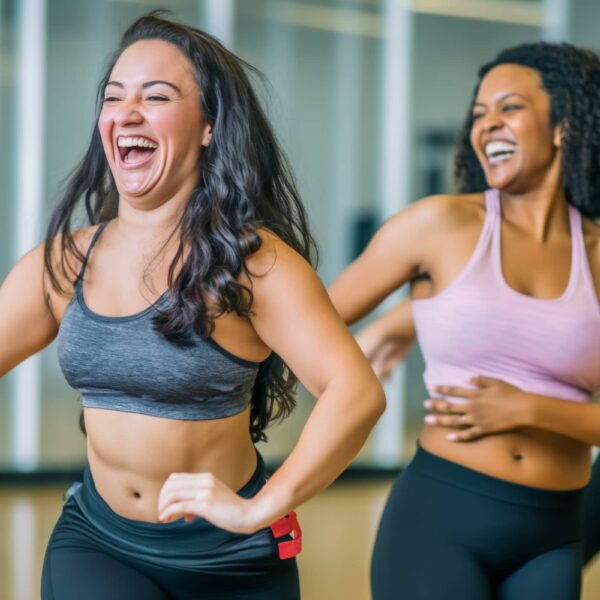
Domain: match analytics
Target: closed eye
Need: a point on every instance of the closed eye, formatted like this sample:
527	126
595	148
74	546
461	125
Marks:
157	98
111	99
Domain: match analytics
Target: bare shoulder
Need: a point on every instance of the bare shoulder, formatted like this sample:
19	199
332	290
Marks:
443	211
66	263
452	206
273	255
591	228
591	233
34	260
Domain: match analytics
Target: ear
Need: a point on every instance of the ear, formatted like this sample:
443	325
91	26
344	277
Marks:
559	132
206	135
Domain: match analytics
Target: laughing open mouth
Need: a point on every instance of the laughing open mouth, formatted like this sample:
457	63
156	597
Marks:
497	152
135	150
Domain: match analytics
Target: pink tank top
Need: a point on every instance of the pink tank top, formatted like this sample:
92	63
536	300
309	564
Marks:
479	325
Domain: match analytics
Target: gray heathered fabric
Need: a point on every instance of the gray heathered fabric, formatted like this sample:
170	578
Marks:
121	363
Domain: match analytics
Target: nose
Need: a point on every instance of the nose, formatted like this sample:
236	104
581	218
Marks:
128	113
491	121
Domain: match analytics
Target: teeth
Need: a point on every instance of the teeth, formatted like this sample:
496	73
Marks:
496	151
129	142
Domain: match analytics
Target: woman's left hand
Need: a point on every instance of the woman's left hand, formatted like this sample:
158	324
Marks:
190	495
492	406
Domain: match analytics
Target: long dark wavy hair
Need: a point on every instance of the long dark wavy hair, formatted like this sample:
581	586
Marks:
244	184
571	77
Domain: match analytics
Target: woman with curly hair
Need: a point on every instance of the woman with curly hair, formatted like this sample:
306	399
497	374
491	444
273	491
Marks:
505	280
188	194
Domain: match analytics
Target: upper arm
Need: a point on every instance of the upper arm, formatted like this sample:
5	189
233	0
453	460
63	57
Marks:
293	315
26	322
394	256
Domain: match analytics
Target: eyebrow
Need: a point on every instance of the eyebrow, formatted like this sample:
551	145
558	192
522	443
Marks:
503	97
147	84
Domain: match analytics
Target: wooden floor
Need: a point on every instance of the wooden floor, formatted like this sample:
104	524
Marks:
339	526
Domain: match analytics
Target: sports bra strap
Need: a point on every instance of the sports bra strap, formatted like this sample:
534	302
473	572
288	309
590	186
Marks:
89	251
577	241
492	203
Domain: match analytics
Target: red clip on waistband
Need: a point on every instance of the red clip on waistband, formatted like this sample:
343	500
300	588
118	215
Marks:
284	526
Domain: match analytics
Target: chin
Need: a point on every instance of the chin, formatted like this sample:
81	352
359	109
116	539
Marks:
500	181
133	190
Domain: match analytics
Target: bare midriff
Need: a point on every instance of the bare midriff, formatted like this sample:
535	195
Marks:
528	457
131	455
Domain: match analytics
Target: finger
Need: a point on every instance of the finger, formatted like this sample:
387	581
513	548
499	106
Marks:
380	368
179	510
183	477
183	487
445	407
381	371
385	354
466	435
172	496
191	482
452	390
447	420
482	382
389	363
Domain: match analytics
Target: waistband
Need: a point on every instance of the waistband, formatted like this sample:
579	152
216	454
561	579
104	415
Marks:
195	541
435	467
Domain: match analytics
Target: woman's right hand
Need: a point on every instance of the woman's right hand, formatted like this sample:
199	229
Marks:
384	355
387	341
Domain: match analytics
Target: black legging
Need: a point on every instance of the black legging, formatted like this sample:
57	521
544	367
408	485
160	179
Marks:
591	512
95	554
449	533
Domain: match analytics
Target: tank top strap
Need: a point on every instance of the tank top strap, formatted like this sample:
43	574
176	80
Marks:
580	263
491	227
495	212
481	253
86	258
492	204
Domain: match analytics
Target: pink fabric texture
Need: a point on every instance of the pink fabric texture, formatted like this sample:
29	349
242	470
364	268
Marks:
479	325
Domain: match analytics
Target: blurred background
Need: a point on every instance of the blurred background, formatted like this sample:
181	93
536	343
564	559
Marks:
366	96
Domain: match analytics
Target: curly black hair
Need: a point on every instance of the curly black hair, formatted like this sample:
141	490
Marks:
244	185
571	77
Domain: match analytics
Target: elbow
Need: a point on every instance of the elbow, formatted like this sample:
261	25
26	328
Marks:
376	397
382	401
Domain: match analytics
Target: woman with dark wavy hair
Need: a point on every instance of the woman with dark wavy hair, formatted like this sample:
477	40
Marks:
505	286
186	191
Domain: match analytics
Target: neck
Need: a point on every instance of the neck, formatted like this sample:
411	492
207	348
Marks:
541	210
144	225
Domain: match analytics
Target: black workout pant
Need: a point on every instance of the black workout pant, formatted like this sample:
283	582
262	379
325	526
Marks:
95	554
591	511
451	533
80	572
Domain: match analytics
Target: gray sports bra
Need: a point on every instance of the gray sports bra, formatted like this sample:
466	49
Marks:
122	363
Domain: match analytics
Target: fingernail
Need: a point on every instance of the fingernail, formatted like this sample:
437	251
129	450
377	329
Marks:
427	404
452	437
430	419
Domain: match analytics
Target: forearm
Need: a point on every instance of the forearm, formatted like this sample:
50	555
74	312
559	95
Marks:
395	324
352	301
580	421
336	430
